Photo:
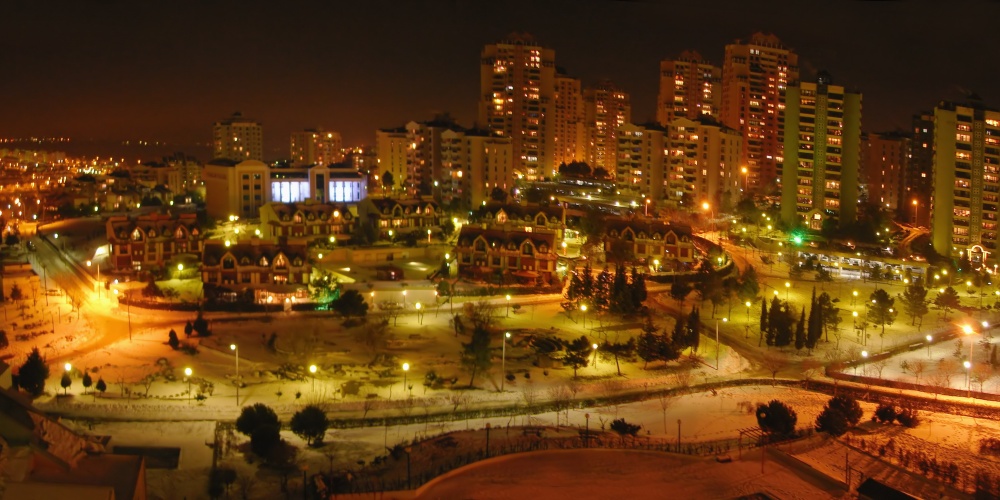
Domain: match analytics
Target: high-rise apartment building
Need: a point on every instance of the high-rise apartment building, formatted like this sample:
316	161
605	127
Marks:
702	165
966	180
640	160
569	131
822	153
237	138
606	109
517	87
755	74
476	162
316	147
884	159
391	152
920	169
689	87
423	160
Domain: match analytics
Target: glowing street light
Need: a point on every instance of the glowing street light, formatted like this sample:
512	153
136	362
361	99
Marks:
236	349
594	346
583	307
406	369
312	370
508	305
503	359
420	316
187	375
787	287
929	339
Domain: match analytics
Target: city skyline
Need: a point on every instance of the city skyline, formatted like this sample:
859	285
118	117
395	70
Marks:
185	68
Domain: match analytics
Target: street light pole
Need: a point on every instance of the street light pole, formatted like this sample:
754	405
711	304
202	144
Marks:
236	349
508	305
312	370
406	369
503	360
187	375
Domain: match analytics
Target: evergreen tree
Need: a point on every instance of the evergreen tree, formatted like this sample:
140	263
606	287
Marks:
476	354
679	337
638	288
776	418
694	329
33	373
666	349
749	284
838	415
616	350
679	290
647	343
947	300
587	282
915	302
773	320
881	311
253	417
763	320
800	331
783	326
602	290
101	385
87	381
620	300
172	339
65	382
310	423
829	314
577	354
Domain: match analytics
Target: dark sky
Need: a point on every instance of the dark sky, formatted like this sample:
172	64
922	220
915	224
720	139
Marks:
165	71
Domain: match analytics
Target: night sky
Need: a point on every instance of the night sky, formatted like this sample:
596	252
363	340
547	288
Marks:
165	71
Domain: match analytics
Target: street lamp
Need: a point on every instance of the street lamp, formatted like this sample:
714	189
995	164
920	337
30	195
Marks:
854	297
503	360
406	369
915	206
564	248
968	378
508	305
97	283
746	178
312	370
747	333
969	331
236	349
187	375
420	316
646	208
372	295
787	286
404	299
594	346
929	339
583	307
428	236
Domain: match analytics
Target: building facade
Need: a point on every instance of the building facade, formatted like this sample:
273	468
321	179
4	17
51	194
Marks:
822	154
392	157
884	160
238	139
569	124
641	159
306	222
966	180
920	169
755	74
316	147
235	188
689	87
401	216
606	109
275	273
517	87
664	246
476	162
151	241
508	254
702	165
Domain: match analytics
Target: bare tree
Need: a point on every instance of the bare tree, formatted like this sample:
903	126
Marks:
981	373
918	367
559	395
247	483
374	336
665	401
367	404
878	366
482	313
529	395
773	363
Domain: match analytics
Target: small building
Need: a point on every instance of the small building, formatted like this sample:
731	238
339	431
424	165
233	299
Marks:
273	272
306	222
649	241
535	217
528	257
151	241
401	216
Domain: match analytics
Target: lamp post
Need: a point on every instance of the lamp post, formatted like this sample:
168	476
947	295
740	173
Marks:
187	375
854	297
564	248
718	347
969	331
583	307
508	305
748	322
404	299
406	369
915	207
180	269
503	359
929	339
420	316
236	349
746	178
68	368
706	206
586	440
428	236
787	287
594	346
97	284
646	208
372	295
968	378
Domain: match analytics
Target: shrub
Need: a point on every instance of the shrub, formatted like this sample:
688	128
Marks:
264	439
310	423
776	418
884	414
173	340
839	414
623	428
254	417
33	373
907	417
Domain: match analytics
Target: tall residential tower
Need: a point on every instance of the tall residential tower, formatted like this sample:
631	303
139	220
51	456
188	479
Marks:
517	86
689	88
237	138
